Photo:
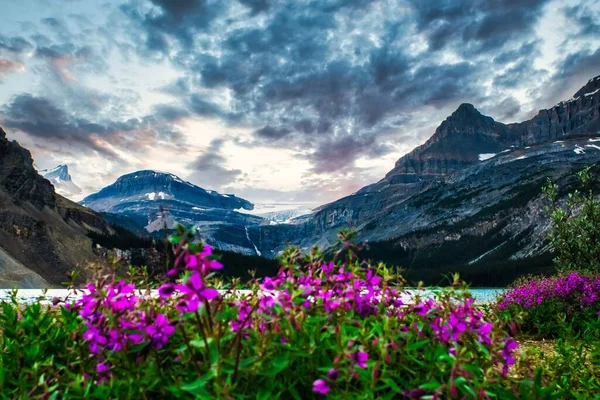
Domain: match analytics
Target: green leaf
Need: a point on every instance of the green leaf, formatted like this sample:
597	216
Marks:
391	384
199	343
433	385
280	362
417	345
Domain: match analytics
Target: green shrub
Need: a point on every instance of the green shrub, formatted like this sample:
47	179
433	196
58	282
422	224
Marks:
340	329
575	234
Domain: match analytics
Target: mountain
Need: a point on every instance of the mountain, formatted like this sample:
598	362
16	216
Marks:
60	178
156	199
43	236
473	186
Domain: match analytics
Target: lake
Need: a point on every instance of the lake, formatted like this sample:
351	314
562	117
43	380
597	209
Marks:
481	295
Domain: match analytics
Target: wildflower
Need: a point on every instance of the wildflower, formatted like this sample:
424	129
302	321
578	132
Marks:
333	374
321	386
102	367
195	291
166	290
95	338
160	331
360	358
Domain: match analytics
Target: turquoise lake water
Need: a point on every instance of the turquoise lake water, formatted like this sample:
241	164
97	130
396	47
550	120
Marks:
481	295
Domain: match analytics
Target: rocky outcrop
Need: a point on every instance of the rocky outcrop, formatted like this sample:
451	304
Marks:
467	137
579	114
19	178
40	231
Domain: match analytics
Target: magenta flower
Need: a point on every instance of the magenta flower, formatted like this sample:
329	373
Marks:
333	374
269	284
198	262
160	331
102	367
321	386
166	290
360	358
195	291
95	338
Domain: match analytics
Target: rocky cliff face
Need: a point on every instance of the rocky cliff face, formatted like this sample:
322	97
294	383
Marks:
579	114
475	179
42	234
467	137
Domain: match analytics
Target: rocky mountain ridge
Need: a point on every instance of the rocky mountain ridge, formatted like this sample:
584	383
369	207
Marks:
42	234
443	184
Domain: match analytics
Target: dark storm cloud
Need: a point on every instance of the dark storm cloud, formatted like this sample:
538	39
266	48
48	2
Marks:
178	88
15	44
335	154
291	76
208	169
205	108
478	25
181	19
520	72
168	112
507	109
256	6
525	50
41	118
585	21
309	75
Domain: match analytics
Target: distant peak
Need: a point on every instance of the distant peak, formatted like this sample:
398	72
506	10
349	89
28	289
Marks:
2	133
149	173
466	113
60	172
466	108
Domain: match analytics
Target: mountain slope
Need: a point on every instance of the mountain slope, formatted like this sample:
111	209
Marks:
60	178
473	180
154	199
40	231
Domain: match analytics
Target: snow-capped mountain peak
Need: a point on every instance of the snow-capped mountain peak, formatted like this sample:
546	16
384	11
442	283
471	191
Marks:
60	178
59	172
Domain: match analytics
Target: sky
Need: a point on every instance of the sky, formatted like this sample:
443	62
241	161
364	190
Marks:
275	101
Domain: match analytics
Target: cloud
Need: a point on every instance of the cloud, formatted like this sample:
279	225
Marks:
572	73
62	58
311	74
585	19
338	84
15	44
478	26
8	67
209	169
41	118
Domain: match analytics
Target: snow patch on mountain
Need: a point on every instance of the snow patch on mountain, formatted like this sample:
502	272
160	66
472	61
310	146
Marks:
486	156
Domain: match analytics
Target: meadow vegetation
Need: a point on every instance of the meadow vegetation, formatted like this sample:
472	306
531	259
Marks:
318	328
